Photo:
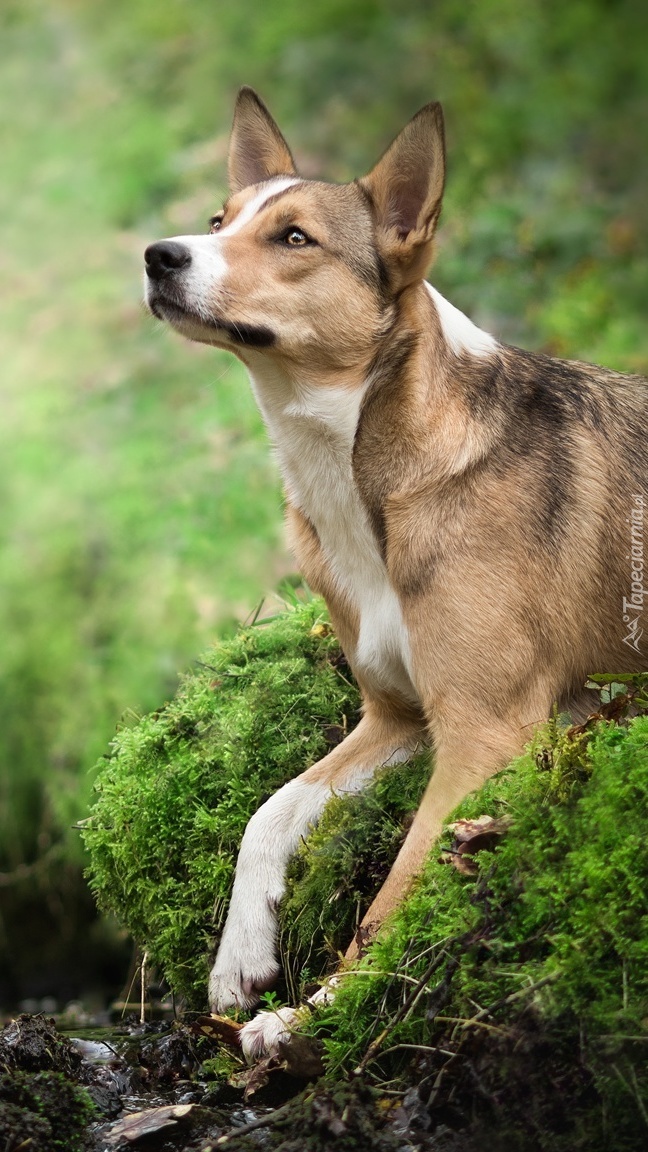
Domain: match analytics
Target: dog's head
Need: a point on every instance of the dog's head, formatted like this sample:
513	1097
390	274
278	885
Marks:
302	268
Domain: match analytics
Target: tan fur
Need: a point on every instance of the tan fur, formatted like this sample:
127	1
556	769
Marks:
493	486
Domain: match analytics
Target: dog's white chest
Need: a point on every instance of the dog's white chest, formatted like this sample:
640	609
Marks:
313	434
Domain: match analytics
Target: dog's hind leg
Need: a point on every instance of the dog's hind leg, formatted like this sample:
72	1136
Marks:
469	749
246	963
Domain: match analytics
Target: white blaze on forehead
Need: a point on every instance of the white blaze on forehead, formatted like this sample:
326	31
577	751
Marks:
460	332
270	189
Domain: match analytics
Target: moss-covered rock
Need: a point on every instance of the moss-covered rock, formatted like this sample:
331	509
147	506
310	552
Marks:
44	1111
516	1000
524	991
42	1104
176	791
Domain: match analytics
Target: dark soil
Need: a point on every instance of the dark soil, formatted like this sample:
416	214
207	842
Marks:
513	1088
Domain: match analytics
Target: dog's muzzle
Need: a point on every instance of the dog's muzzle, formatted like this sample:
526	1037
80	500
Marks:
164	258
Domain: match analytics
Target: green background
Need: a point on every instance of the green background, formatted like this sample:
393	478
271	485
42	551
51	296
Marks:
140	511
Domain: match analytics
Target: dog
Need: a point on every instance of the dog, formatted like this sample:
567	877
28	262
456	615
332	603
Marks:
472	513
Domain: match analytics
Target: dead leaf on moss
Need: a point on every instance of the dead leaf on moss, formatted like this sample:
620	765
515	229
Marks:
614	709
299	1057
470	837
256	1077
220	1028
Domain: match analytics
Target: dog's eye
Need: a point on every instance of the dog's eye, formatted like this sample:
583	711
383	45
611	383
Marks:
295	238
215	222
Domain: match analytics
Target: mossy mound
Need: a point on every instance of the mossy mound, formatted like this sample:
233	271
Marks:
520	996
515	1000
175	793
42	1105
43	1111
339	869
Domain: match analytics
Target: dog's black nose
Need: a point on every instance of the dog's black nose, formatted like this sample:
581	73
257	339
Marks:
165	257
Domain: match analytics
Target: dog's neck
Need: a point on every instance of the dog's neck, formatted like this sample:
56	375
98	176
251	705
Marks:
312	418
313	429
312	426
312	413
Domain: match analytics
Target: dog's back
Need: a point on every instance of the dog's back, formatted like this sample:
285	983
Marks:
527	509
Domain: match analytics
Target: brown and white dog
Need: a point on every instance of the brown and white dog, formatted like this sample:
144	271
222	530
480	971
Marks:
472	513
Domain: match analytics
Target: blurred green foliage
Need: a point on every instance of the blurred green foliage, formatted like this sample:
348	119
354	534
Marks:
140	510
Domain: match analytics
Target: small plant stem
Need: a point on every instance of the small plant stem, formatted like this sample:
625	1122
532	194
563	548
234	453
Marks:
408	1004
143	989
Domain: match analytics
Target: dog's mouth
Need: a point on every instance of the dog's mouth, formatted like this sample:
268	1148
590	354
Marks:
172	310
207	329
187	321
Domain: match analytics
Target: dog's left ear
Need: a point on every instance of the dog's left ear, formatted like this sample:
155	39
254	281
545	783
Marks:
406	189
257	150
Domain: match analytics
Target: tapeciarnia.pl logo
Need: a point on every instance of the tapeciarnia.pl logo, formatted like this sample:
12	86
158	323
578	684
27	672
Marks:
633	605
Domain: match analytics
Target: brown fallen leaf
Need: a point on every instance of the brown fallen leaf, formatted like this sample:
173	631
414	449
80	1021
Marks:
300	1057
614	709
220	1028
137	1125
464	864
472	831
256	1077
470	837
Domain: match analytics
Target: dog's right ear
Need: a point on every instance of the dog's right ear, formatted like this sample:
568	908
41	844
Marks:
406	190
257	150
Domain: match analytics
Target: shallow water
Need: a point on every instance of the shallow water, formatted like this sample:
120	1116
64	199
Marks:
127	1087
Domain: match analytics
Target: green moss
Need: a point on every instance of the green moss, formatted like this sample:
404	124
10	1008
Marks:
548	949
341	866
517	1000
173	798
43	1110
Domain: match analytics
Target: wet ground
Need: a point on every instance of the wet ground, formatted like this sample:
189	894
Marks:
174	1087
183	1087
151	1085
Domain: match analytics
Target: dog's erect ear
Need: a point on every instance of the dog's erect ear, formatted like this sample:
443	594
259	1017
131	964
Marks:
406	187
257	150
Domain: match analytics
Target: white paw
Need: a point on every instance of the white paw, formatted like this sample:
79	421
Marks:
325	994
242	973
262	1035
246	963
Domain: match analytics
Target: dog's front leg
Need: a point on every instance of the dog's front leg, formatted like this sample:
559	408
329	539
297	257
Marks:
246	964
466	755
